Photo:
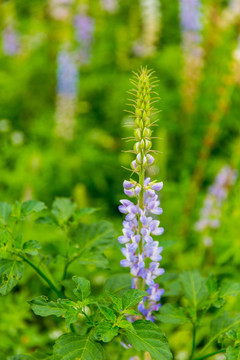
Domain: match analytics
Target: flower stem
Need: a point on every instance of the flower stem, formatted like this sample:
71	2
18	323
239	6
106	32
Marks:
141	205
42	275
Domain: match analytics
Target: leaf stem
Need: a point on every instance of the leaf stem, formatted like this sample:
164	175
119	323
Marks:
193	341
211	354
42	275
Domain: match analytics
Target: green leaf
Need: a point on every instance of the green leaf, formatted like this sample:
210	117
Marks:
107	313
5	211
211	284
132	298
11	271
46	220
117	302
5	237
18	241
22	357
73	346
32	206
229	288
82	212
124	324
232	353
148	337
172	314
42	307
218	303
195	289
31	247
71	316
83	289
222	325
105	332
36	356
95	257
118	284
97	235
63	209
231	334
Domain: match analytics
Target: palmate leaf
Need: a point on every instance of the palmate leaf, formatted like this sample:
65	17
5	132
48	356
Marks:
73	346
10	272
148	337
172	314
195	289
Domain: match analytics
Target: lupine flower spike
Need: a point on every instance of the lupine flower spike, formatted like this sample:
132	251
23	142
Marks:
210	215
140	227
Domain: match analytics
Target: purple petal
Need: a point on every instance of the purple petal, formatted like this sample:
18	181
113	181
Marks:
157	186
127	184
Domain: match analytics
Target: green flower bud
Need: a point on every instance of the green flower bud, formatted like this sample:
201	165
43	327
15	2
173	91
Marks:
138	134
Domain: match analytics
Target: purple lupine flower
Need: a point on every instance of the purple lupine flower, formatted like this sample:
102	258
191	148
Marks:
190	15
67	73
10	41
140	227
210	214
84	29
151	26
67	92
191	28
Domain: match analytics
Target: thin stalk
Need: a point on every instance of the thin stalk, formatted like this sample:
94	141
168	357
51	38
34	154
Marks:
211	354
141	205
193	342
42	275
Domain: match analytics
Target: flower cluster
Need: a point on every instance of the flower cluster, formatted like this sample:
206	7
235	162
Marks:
190	17
67	91
10	41
151	25
84	29
142	252
210	214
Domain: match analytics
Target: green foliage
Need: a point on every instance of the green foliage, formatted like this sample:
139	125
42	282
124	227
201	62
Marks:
173	314
132	298
63	209
32	206
194	287
5	211
73	346
148	337
82	290
10	272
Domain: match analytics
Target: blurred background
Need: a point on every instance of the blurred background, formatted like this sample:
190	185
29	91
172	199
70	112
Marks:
64	75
